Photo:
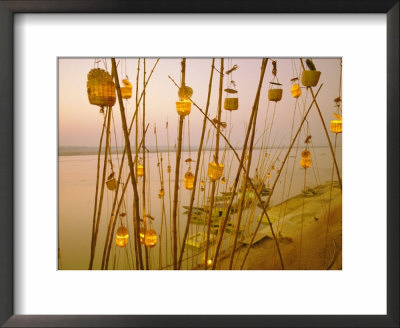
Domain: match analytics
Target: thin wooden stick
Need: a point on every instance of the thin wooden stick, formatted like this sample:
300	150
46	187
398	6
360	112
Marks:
326	131
129	153
96	231
275	182
197	168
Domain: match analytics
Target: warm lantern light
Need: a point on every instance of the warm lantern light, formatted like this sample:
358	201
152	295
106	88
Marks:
188	180
169	168
111	184
305	153
215	170
275	94
305	163
122	237
202	183
336	126
183	107
139	170
310	78
150	239
268	175
126	90
223	180
142	232
231	103
209	262
185	92
295	90
100	88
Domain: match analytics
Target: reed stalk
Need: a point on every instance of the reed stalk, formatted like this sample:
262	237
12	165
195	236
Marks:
273	187
96	231
129	155
326	131
192	196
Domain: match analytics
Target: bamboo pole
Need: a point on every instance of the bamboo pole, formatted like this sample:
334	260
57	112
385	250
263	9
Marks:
252	118
97	182
118	208
192	196
326	131
96	231
275	182
129	153
216	154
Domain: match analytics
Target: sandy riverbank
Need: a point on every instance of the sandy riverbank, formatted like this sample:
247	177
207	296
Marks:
308	228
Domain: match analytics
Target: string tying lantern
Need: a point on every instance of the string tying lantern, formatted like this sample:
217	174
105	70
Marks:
275	92
100	88
231	101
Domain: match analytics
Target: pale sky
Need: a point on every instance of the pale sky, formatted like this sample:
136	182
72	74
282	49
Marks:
80	122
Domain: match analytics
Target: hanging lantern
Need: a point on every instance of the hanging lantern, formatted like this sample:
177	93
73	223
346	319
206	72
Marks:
126	90
223	180
275	94
122	236
100	88
336	126
183	107
202	188
169	168
111	184
202	183
161	193
268	175
150	239
142	232
139	170
305	162
185	92
215	170
188	180
231	103
306	153
310	78
295	90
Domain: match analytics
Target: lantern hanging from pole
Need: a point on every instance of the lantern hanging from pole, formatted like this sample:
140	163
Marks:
139	170
188	180
295	88
100	88
161	193
310	78
111	184
122	237
275	94
336	125
126	90
231	101
185	92
215	170
305	161
150	238
183	107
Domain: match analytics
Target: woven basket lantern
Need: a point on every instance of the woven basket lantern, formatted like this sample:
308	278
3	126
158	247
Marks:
122	237
215	170
126	90
310	78
188	180
185	93
183	107
231	103
295	90
305	163
275	94
150	239
111	184
100	88
336	126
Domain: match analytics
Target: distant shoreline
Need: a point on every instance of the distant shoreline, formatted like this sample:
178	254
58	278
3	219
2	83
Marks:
83	151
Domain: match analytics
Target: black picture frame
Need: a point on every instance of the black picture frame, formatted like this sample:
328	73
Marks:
10	7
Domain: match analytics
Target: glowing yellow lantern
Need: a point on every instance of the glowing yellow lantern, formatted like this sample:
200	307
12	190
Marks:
268	175
185	92
111	184
215	170
305	153
100	88
183	107
202	188
139	170
305	163
188	180
295	90
122	236
169	168
310	78
223	180
275	94
150	239
126	90
336	126
202	183
231	103
142	233
161	193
